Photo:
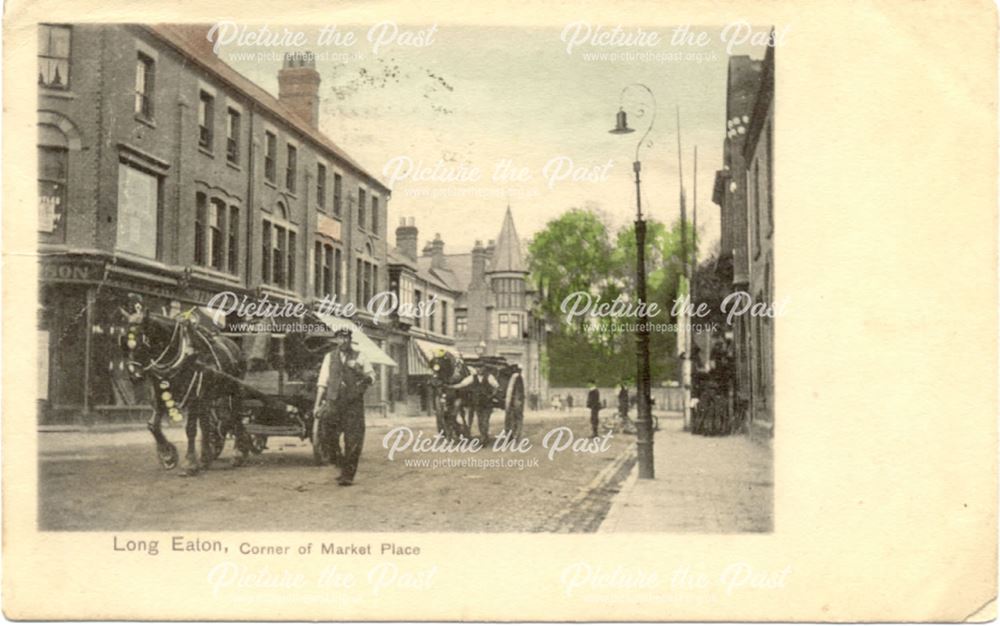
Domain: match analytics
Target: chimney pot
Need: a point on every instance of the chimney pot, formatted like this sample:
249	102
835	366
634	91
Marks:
298	86
406	238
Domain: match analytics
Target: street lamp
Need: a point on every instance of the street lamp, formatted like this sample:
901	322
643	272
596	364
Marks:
644	423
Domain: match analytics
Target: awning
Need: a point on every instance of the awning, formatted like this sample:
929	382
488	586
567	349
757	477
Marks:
416	361
368	348
421	352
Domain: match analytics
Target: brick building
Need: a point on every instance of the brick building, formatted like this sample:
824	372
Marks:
486	306
165	172
743	191
758	155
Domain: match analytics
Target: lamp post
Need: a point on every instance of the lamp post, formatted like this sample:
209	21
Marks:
644	423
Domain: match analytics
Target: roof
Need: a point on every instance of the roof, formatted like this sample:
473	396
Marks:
507	253
460	267
191	40
444	278
396	257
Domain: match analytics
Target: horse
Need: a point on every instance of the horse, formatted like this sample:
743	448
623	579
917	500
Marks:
447	371
195	371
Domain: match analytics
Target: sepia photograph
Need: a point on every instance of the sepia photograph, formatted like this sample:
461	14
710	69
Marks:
596	312
277	265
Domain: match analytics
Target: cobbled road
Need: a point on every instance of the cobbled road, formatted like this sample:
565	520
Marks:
111	481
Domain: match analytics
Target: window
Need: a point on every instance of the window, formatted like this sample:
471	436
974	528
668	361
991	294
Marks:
338	272
138	211
374	214
323	269
317	269
233	136
216	231
509	326
509	292
321	185
200	219
216	234
417	299
144	77
444	317
337	187
52	169
358	284
328	270
265	257
361	208
233	255
290	168
53	56
366	292
461	325
278	255
270	156
206	120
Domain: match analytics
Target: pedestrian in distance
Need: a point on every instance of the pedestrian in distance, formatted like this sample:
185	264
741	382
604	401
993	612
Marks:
594	404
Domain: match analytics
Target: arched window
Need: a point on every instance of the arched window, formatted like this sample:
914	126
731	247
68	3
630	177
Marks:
53	167
278	238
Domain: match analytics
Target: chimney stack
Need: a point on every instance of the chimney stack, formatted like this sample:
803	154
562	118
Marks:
406	237
478	266
298	86
437	252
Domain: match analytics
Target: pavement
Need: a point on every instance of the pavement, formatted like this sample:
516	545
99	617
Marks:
701	484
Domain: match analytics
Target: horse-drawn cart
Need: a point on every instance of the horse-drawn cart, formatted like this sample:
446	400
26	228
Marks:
468	389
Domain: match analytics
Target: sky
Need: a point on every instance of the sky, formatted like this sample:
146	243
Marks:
425	108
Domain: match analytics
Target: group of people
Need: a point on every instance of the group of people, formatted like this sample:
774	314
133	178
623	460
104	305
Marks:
595	405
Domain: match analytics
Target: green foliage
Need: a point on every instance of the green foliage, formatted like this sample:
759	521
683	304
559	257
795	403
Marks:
575	252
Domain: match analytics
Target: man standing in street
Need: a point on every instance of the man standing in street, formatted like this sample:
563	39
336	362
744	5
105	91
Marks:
340	390
623	406
594	404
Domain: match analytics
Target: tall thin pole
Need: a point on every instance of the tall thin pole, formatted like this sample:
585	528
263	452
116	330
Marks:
694	250
644	423
682	316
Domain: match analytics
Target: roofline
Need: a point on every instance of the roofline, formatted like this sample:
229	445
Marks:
288	117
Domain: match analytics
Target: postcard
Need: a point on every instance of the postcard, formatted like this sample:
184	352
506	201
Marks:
570	312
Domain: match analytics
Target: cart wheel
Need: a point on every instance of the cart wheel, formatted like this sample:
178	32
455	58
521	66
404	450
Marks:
321	449
167	454
513	421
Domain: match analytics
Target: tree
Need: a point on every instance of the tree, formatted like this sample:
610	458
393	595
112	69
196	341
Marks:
572	253
575	253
